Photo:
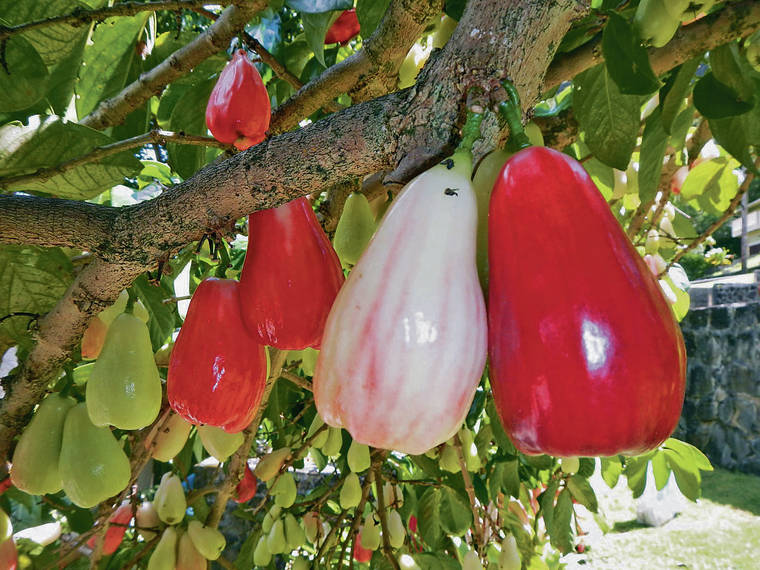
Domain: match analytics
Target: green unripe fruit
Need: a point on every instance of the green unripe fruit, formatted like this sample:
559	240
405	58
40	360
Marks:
92	464
301	564
534	134
396	530
320	440
444	31
170	440
35	459
261	554
271	463
370	534
294	534
208	540
188	556
146	517
654	22
164	557
354	230
358	457
351	492
6	527
218	442
509	558
471	561
569	465
449	460
652	244
276	543
284	490
311	526
334	442
393	495
469	450
169	500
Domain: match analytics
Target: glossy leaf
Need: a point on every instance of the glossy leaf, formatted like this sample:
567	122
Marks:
626	60
23	77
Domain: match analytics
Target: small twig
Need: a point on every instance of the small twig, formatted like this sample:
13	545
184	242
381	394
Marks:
297	380
81	17
480	535
383	517
155	136
355	522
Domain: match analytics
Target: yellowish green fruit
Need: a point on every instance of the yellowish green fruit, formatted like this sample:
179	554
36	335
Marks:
261	554
276	542
654	23
407	562
170	439
169	500
284	490
35	460
358	457
207	540
413	62
6	527
334	442
219	443
309	358
569	465
370	533
396	530
393	495
321	439
311	525
509	558
443	31
124	388
294	534
354	230
146	517
92	465
351	492
271	463
469	450
471	561
301	564
188	557
164	557
483	181
449	460
535	136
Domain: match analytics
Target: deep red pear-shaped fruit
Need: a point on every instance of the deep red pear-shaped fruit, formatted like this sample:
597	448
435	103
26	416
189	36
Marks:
344	28
238	109
246	488
217	370
117	526
405	343
586	358
290	277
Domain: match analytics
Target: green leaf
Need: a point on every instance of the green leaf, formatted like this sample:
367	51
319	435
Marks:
736	134
107	60
711	185
546	502
687	477
315	27
583	492
80	520
318	6
731	69
431	561
49	141
26	80
716	100
562	532
454	512
660	470
163	316
428	518
602	175
510	480
55	42
609	119
611	470
189	116
454	8
673	95
627	61
370	12
690	453
636	473
653	145
32	280
502	440
680	127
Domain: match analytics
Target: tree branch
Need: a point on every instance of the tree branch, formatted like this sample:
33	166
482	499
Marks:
155	136
737	19
383	517
113	111
82	17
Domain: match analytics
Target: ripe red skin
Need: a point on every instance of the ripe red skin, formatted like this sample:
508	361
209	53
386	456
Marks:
290	277
8	555
361	554
217	370
586	356
5	484
246	489
238	109
117	527
344	28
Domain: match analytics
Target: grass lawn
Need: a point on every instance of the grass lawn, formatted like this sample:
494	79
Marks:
721	531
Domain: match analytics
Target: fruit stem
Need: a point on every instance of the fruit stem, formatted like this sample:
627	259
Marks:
471	129
131	300
511	112
224	261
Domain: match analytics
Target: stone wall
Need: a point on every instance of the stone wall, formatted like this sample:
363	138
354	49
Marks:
720	414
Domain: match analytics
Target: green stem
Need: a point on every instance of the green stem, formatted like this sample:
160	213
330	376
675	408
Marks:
224	261
471	129
511	112
130	301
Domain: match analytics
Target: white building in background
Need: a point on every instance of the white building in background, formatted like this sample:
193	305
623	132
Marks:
753	227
